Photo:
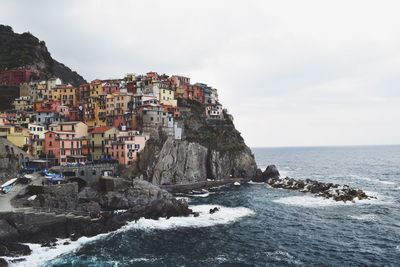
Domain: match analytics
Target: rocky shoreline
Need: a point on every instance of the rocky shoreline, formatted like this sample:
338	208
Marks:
140	200
332	191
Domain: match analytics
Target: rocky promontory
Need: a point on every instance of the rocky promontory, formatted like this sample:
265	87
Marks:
209	149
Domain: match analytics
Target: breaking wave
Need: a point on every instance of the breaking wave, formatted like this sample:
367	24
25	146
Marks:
225	215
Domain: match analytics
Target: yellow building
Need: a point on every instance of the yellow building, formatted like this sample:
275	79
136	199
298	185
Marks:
96	88
167	97
100	140
66	94
17	136
100	111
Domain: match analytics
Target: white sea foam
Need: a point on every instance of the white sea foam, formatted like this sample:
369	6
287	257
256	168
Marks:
42	254
387	182
311	201
185	198
225	215
364	217
284	256
365	178
200	195
251	182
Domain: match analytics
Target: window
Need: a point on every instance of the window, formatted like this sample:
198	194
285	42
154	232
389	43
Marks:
50	143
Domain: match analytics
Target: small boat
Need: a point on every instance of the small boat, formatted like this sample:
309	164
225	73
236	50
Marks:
7	186
236	184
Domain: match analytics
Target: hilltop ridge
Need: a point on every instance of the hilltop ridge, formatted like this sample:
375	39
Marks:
27	51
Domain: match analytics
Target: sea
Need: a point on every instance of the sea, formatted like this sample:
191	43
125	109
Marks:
261	226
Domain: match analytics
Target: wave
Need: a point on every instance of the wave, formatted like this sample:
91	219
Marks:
225	215
366	178
364	217
285	257
251	182
310	201
40	255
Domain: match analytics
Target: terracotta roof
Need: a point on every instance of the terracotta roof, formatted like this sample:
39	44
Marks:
101	129
41	109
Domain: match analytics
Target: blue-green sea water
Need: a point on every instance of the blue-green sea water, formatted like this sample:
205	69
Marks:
261	226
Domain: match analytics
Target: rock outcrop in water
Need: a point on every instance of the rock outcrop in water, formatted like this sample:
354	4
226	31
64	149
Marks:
270	172
209	149
327	190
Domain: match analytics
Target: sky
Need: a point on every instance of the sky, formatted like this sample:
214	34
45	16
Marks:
292	73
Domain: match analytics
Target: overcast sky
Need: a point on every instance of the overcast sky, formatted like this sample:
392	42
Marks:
293	73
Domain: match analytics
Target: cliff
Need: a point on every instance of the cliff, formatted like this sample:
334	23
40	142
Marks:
209	149
25	50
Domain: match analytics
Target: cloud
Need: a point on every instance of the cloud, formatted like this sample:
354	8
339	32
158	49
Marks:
291	72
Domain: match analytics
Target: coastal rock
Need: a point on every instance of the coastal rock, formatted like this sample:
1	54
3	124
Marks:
13	249
271	172
239	164
7	232
3	263
144	199
327	190
180	162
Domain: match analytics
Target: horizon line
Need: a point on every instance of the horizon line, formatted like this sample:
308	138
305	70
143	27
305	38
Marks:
324	146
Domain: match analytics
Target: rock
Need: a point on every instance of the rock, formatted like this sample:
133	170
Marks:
46	245
145	199
214	210
66	243
3	263
14	249
88	194
327	190
180	162
271	172
7	232
257	176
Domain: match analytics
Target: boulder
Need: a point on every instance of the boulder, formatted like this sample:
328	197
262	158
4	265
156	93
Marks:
13	249
7	232
3	263
145	200
271	172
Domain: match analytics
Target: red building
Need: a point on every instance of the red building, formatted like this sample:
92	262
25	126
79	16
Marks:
131	87
15	77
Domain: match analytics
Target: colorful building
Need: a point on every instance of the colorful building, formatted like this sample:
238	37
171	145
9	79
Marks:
98	140
66	142
126	146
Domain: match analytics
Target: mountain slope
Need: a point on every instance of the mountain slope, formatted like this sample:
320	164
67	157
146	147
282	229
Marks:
25	50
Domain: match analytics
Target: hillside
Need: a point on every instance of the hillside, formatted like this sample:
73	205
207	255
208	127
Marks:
25	50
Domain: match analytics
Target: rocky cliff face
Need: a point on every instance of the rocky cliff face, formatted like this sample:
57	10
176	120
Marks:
210	149
25	50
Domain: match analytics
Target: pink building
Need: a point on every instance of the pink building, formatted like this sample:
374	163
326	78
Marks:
126	146
66	142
